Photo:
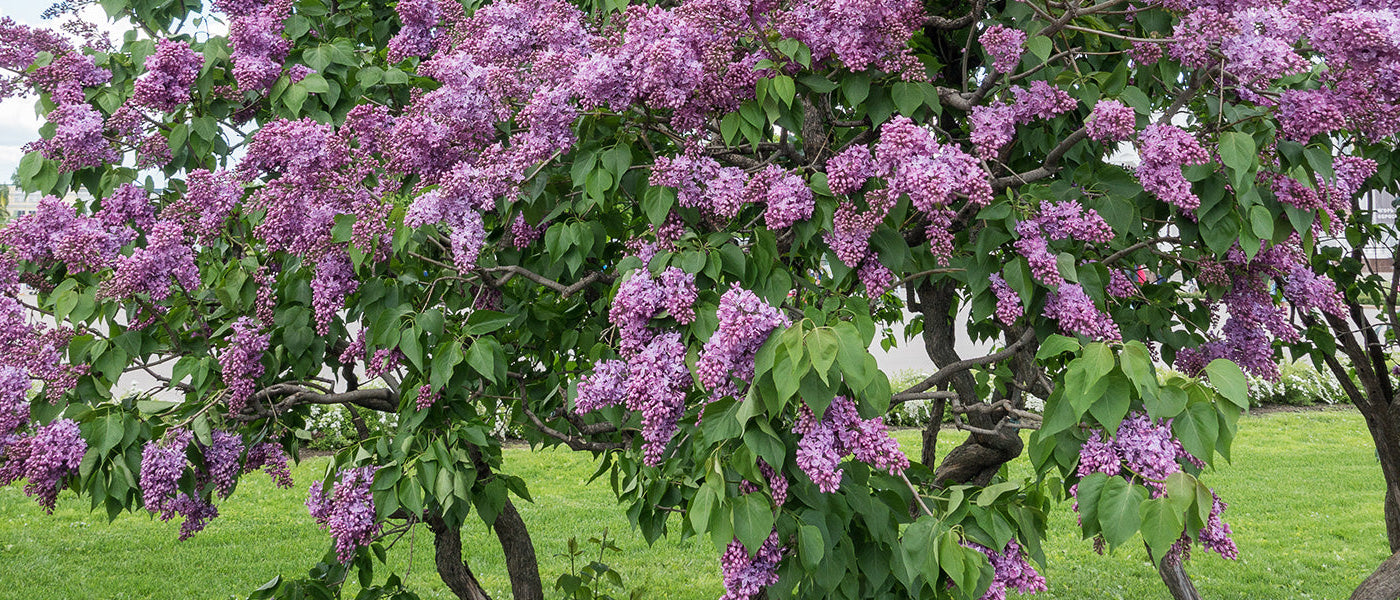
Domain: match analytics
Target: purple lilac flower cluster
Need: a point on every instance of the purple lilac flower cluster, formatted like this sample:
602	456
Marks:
994	124
745	577
652	378
348	512
169	74
258	46
57	232
777	483
162	466
745	322
1011	570
241	362
1111	121
272	459
416	36
1009	306
1077	313
840	433
1004	45
1252	312
1057	221
1144	449
34	349
861	34
1164	149
45	458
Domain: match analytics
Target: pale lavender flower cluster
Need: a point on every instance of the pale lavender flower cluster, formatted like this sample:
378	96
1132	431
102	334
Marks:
993	127
415	37
210	198
786	195
745	577
169	74
861	34
1004	45
652	377
1164	149
129	204
1077	313
841	433
77	141
1009	306
641	298
1011	570
348	512
45	458
151	269
241	362
745	322
1111	121
1040	101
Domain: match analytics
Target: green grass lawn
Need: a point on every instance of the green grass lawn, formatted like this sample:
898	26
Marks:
1304	493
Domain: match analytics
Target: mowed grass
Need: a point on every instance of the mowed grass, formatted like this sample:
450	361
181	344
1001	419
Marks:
1304	492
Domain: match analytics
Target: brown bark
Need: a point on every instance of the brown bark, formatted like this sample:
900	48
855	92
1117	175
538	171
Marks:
1384	584
447	552
977	459
515	541
1175	577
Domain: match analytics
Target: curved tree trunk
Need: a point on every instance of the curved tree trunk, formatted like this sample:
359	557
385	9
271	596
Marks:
1384	584
447	553
515	541
1174	576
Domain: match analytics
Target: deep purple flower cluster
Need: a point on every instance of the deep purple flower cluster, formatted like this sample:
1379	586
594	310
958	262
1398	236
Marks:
56	232
993	127
1057	221
522	233
1164	149
1009	306
787	196
745	322
241	362
841	433
46	458
165	259
36	349
272	459
221	461
1119	286
745	577
14	401
777	483
162	465
861	34
427	397
1004	45
348	512
1111	121
1011	570
169	74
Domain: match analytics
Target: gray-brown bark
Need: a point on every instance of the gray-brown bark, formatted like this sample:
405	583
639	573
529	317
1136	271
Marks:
519	551
447	553
1177	581
1384	584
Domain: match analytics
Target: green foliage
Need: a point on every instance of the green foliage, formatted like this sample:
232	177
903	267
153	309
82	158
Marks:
595	580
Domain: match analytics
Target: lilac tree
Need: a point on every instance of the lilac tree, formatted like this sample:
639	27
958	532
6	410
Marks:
668	235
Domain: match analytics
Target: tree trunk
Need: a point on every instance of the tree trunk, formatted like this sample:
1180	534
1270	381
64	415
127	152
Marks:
447	552
520	554
1174	576
1384	584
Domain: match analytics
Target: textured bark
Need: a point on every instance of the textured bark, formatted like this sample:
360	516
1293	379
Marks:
1384	584
1175	577
515	541
978	458
447	552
